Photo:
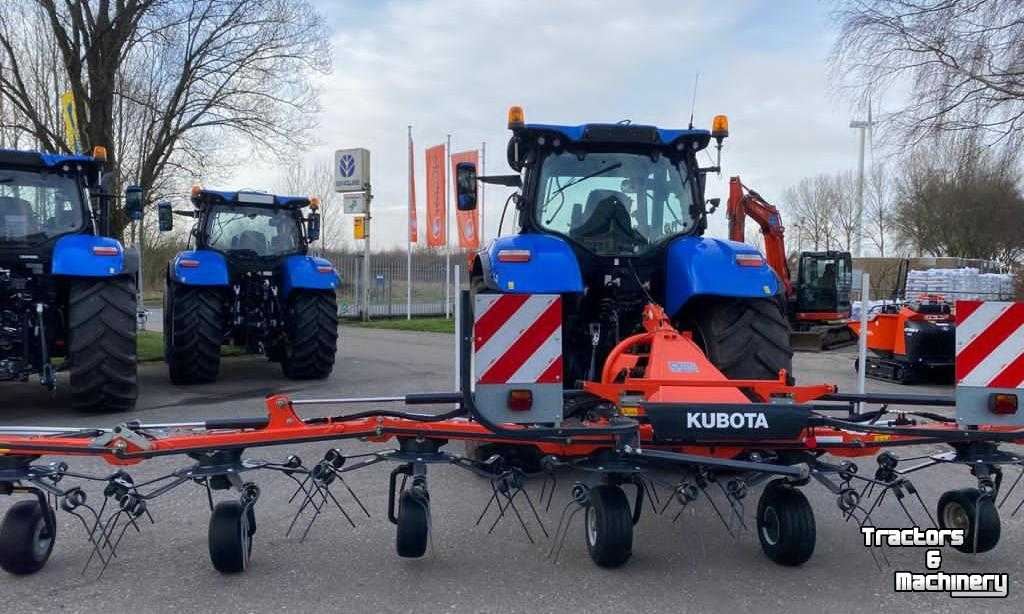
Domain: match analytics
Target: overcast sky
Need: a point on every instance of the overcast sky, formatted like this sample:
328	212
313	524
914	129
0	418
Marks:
454	67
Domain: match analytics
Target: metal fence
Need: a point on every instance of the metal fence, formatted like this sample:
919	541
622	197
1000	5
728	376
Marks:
389	283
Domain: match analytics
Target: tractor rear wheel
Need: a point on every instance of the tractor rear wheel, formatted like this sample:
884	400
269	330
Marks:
193	333
101	344
745	338
312	336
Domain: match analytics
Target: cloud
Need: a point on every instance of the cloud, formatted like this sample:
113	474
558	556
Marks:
454	67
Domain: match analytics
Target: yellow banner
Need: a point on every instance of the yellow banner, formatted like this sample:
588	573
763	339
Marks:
67	111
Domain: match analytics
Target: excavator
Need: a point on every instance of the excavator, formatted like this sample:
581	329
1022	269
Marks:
818	302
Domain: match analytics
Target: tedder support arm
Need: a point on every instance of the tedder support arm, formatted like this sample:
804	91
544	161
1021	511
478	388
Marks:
743	203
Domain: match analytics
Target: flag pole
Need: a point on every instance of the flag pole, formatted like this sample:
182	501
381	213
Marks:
483	192
408	233
447	231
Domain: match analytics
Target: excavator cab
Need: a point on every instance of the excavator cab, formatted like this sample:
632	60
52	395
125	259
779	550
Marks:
823	287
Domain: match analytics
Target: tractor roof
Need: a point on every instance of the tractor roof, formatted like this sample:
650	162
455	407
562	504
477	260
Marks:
247	197
631	134
44	160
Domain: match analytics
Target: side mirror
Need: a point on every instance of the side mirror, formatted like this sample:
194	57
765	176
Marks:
133	202
312	227
165	217
465	186
713	205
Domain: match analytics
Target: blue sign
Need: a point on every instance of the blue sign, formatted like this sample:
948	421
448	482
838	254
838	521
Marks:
347	165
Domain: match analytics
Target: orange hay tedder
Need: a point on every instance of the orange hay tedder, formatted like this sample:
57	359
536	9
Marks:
659	408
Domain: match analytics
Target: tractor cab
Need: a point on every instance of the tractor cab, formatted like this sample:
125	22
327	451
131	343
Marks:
252	283
611	216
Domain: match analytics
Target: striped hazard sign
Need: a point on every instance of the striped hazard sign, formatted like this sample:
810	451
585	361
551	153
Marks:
518	338
990	344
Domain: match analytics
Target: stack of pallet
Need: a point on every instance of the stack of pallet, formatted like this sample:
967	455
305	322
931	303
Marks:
960	284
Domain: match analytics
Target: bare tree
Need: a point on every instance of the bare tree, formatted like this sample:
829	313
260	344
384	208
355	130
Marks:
168	86
840	191
317	179
961	59
878	208
809	205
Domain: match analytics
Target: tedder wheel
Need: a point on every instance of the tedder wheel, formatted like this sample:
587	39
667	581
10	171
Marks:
745	338
230	537
311	336
413	524
785	524
966	509
608	526
25	539
101	343
192	340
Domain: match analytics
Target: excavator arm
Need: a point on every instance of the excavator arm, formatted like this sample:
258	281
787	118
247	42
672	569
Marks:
744	202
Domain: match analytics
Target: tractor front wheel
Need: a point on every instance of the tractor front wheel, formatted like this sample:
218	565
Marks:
101	344
193	332
745	338
312	336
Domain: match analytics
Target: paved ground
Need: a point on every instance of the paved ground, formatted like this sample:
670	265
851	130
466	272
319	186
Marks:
689	566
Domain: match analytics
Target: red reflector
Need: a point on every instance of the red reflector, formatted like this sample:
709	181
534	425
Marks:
1002	403
749	259
514	255
520	400
188	263
324	268
104	250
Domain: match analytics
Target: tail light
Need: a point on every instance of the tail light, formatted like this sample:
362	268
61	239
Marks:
514	255
104	250
754	260
324	268
188	263
520	400
1002	403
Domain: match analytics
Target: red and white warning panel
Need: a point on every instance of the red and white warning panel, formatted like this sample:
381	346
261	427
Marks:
517	356
989	362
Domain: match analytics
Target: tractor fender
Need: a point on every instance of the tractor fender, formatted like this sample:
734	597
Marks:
88	256
308	273
211	270
698	266
551	268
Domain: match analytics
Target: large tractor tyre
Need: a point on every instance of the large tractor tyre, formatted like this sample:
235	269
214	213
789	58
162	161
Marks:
101	344
745	338
785	524
976	515
312	336
194	322
27	535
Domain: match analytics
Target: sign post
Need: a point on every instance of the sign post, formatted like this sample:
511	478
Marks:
352	178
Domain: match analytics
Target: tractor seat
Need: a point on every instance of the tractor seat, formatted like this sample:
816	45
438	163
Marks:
606	217
252	240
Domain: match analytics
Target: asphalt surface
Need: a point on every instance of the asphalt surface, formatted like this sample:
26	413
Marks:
692	565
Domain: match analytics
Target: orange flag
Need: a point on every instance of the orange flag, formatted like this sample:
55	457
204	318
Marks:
467	221
436	231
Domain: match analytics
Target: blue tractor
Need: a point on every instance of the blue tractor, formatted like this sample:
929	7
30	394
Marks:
67	290
249	282
611	217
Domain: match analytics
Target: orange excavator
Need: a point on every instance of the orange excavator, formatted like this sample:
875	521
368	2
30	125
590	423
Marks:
818	302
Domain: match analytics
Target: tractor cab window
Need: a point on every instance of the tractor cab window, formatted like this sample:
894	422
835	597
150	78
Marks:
38	206
267	231
615	203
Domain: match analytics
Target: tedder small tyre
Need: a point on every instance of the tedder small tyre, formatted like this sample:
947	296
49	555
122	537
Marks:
745	338
101	344
966	509
608	526
26	538
311	336
413	525
230	537
785	524
193	339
